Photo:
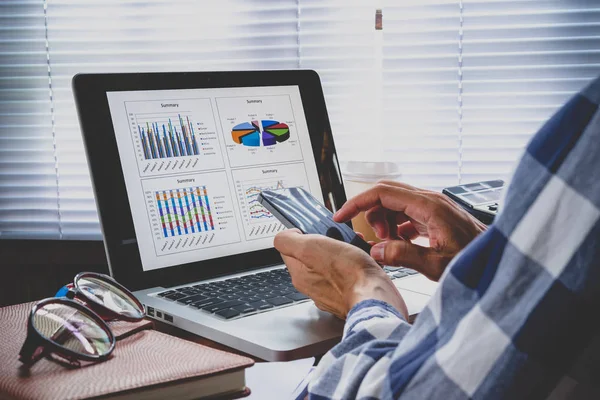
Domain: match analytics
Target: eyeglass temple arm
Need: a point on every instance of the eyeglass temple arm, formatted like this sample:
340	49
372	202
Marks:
29	353
32	350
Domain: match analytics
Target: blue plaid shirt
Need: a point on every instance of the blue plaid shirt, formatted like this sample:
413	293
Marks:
515	309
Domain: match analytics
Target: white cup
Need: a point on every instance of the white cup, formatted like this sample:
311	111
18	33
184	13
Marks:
360	176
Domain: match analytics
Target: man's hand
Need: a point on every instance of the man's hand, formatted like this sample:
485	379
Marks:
334	274
399	213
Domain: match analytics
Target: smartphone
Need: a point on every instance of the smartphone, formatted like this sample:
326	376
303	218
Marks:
296	208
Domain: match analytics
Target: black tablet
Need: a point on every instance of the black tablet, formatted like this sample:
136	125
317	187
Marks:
177	161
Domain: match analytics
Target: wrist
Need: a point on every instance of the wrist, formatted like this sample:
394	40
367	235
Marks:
376	287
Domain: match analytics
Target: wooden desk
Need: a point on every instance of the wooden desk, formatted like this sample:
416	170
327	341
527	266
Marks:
180	333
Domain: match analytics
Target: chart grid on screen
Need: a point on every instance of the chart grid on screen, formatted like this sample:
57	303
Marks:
184	211
256	212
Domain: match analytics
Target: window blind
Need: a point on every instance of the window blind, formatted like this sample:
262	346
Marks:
450	90
338	39
466	83
28	175
521	61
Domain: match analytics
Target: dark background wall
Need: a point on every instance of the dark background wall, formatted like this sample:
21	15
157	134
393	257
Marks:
35	269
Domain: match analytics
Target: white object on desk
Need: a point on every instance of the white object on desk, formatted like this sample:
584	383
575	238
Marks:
277	380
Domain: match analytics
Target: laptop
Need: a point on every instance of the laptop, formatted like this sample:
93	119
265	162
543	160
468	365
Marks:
177	161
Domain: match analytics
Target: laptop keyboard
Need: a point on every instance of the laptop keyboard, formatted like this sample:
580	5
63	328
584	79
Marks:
399	272
241	296
249	294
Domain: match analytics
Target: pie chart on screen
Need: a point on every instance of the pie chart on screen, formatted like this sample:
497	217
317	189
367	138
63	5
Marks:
266	133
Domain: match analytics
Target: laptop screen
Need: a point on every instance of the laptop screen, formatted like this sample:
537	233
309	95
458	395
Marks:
194	161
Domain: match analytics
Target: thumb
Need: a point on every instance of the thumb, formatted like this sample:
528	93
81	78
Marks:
402	253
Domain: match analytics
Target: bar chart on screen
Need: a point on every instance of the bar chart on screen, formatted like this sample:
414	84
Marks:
174	136
190	212
184	211
168	136
258	222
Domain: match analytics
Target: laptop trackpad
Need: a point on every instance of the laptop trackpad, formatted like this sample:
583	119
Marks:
417	283
415	302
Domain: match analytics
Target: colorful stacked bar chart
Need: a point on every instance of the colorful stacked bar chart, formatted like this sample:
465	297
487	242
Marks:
184	211
166	139
249	133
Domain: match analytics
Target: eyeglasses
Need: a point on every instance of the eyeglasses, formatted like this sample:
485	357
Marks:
74	328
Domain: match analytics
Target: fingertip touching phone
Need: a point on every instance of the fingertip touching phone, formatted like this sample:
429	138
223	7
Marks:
296	208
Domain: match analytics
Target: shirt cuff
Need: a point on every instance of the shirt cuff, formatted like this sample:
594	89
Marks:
369	309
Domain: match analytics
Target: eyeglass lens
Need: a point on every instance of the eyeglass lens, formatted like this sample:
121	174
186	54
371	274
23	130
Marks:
110	296
72	329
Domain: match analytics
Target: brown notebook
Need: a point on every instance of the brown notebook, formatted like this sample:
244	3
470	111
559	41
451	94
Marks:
146	364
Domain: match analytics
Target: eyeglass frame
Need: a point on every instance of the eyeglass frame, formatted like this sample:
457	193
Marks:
76	298
76	293
29	354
